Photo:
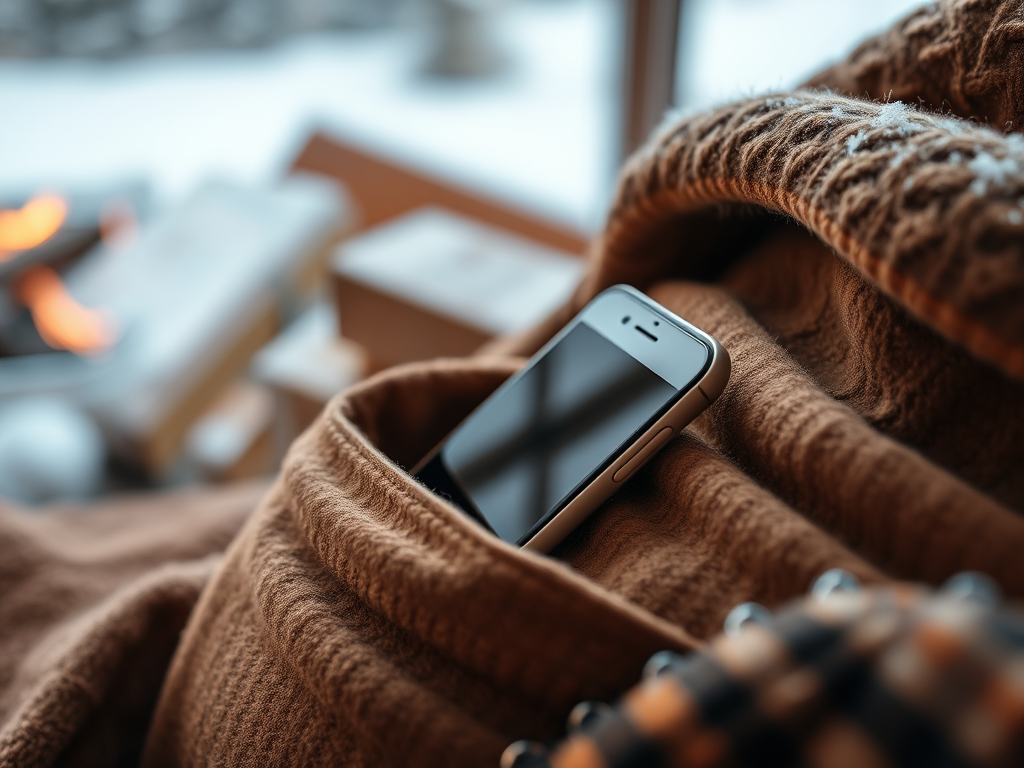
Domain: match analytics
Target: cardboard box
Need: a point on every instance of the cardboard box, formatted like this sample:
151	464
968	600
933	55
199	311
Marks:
305	366
436	284
385	188
207	285
233	438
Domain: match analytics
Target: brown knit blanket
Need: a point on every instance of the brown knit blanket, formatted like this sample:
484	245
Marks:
863	262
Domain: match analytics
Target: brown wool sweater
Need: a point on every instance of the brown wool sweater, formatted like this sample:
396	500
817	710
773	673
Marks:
862	261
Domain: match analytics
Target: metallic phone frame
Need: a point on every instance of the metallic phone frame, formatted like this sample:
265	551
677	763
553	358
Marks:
695	397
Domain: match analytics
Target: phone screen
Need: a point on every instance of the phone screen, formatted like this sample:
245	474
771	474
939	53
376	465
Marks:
524	451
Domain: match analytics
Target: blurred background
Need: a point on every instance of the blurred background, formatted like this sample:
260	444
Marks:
214	214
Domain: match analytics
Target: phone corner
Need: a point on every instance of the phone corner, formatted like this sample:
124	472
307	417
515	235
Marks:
715	380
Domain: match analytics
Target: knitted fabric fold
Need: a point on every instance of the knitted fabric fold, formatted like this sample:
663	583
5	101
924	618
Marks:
928	207
361	620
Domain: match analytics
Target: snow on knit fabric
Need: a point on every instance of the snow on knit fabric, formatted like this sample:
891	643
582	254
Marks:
964	57
929	207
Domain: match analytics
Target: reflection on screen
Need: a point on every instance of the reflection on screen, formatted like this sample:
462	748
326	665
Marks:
520	454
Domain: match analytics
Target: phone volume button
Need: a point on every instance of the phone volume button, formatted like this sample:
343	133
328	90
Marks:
642	455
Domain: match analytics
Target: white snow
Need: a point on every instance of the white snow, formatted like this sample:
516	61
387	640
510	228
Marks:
1014	216
953	125
902	154
789	101
990	171
853	143
244	114
732	48
895	118
837	115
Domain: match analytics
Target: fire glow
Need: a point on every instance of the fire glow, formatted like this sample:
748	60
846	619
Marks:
31	225
62	322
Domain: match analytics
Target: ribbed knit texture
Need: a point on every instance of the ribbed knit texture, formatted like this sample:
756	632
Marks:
92	602
360	620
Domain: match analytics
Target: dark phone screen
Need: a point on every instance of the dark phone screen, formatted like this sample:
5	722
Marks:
522	453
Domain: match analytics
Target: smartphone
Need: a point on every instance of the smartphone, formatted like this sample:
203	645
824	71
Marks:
593	406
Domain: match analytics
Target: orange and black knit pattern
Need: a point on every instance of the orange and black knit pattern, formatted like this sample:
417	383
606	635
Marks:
895	676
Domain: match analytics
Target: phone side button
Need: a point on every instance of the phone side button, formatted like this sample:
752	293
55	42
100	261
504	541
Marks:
643	454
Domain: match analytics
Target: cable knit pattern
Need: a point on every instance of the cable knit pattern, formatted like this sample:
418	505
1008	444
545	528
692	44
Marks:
959	56
930	208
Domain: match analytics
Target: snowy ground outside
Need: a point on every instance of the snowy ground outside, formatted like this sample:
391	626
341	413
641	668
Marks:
543	136
735	48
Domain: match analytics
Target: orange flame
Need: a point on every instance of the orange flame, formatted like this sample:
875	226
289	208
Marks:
31	225
61	321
